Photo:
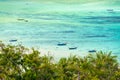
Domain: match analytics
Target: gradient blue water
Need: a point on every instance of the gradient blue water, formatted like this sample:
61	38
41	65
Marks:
86	29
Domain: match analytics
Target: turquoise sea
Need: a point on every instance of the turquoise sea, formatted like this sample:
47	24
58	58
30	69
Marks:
43	24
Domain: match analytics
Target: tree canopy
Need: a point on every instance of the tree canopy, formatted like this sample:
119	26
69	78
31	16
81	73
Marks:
15	64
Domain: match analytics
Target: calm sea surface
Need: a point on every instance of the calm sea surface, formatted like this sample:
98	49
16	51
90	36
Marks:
93	26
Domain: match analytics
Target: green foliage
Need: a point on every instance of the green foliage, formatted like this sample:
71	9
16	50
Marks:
20	63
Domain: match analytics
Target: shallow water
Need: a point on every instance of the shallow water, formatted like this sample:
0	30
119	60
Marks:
86	26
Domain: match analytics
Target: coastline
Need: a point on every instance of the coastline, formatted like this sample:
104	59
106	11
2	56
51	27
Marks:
87	26
63	51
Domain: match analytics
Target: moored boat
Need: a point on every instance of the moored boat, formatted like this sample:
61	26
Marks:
91	51
62	44
13	40
72	48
